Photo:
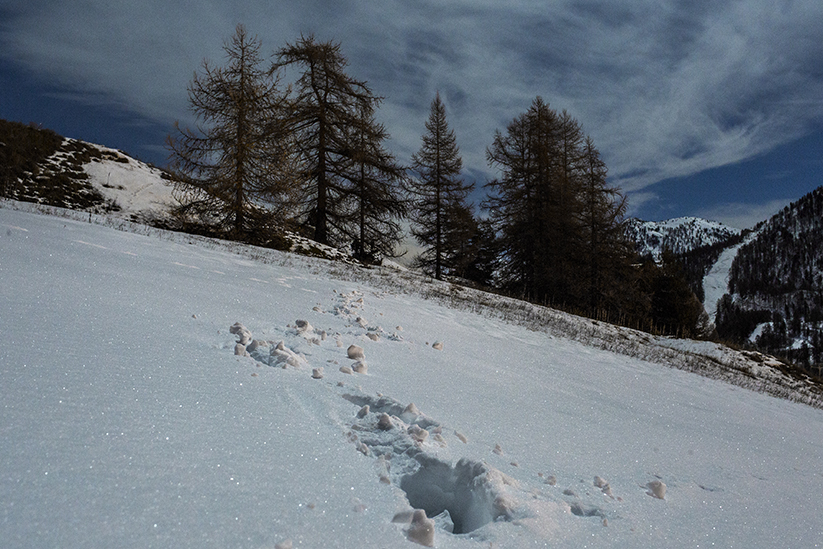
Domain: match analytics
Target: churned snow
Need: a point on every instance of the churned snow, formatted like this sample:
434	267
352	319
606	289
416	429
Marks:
129	421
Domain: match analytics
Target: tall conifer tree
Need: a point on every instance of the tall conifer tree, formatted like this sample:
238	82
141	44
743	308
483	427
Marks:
350	184
375	179
438	196
233	167
561	237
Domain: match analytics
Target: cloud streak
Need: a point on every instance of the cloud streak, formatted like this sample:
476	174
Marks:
665	88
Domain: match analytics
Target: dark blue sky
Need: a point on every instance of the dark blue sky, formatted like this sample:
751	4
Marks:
699	108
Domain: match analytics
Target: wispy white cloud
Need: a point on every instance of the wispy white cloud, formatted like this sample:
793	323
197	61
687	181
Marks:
665	88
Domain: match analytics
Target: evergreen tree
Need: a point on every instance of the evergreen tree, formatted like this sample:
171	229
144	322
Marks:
441	221
560	224
675	308
518	203
375	181
348	180
233	167
606	250
533	204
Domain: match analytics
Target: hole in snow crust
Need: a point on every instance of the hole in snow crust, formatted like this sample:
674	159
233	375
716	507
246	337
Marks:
462	490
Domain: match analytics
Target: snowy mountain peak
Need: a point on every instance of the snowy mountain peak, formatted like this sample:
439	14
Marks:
680	235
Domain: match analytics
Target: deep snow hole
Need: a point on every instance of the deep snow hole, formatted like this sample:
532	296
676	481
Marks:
463	490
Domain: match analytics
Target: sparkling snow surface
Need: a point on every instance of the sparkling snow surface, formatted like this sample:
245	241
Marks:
128	420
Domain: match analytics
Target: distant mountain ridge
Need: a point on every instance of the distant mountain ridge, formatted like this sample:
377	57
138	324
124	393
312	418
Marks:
680	235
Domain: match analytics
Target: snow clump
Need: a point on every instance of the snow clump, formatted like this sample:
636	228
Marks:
242	333
303	326
421	530
355	352
281	355
657	489
255	344
385	422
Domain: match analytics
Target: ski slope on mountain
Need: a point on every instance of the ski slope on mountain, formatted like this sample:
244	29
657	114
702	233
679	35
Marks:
129	421
716	281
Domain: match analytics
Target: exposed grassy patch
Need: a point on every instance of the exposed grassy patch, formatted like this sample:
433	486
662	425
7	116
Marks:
38	165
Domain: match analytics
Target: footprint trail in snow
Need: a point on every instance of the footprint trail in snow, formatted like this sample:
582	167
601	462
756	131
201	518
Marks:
458	498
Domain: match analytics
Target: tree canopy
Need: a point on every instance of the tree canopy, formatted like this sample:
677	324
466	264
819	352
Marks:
349	182
442	222
234	166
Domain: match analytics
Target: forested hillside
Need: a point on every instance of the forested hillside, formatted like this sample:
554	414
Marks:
693	243
776	285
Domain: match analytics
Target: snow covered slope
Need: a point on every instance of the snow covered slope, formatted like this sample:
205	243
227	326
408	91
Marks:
128	420
138	189
716	281
679	235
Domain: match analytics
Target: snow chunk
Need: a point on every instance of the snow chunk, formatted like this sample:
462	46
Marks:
281	355
417	433
355	352
255	344
411	409
303	326
242	333
384	422
421	530
360	367
317	373
657	489
444	521
410	413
